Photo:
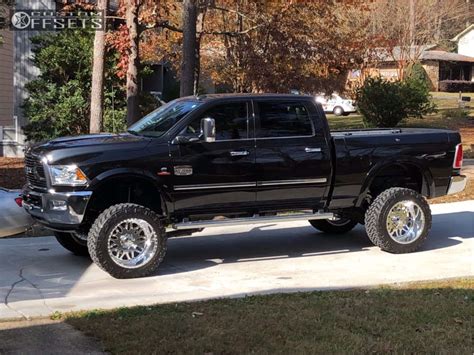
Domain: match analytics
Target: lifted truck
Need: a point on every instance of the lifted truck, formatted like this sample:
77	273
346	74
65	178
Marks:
219	160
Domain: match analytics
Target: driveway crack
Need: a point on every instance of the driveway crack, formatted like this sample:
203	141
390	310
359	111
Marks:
12	287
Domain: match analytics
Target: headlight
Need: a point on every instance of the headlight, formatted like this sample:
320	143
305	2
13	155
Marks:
67	175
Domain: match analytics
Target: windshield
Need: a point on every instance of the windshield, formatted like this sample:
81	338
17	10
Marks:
158	122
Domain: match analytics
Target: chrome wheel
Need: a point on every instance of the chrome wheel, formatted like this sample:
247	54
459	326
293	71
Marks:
132	243
405	222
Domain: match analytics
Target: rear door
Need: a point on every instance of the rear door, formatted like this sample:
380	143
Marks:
292	154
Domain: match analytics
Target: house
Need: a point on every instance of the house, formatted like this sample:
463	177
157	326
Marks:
439	65
465	41
17	69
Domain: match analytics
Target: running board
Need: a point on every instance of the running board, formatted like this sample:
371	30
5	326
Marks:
250	220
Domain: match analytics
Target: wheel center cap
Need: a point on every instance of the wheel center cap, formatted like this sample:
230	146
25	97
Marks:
127	241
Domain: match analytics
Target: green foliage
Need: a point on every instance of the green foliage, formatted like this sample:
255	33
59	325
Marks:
455	113
385	104
58	102
417	72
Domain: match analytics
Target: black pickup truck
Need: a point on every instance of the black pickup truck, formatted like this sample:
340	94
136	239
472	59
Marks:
219	160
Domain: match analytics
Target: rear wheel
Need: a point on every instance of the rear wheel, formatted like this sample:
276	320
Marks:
337	226
127	241
75	243
338	111
398	221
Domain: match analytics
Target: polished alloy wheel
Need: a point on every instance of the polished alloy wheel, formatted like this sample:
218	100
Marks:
405	222
132	243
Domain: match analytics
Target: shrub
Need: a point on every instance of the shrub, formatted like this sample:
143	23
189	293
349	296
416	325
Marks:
58	102
455	113
456	86
384	103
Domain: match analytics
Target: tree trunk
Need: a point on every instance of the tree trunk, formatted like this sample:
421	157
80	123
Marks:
131	15
97	91
188	63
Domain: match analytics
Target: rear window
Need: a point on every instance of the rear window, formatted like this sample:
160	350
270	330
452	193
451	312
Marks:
284	119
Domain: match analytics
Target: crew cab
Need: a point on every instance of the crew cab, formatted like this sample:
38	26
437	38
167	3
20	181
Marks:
221	160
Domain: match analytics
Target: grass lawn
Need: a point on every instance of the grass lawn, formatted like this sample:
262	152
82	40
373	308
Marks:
434	317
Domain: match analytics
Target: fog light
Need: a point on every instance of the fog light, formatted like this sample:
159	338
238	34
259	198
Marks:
58	205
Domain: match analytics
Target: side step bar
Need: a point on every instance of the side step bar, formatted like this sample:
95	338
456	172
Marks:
250	220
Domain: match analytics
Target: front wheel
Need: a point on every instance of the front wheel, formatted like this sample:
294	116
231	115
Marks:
337	226
76	244
127	241
398	221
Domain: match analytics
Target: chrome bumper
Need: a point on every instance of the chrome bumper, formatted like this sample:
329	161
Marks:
457	184
57	208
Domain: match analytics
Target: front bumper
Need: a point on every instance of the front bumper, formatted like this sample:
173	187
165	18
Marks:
57	208
457	184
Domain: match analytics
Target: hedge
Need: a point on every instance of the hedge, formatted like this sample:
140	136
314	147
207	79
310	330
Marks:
456	86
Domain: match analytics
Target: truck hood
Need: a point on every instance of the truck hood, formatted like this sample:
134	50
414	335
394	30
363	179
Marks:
87	141
79	149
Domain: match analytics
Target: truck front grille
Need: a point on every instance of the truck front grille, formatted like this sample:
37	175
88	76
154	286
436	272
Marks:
34	170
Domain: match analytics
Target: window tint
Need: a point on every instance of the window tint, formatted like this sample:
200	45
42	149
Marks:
231	121
284	119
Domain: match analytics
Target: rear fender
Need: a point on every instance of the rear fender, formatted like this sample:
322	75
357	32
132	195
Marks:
427	188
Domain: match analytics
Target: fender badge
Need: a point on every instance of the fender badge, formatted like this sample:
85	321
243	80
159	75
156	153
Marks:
183	170
164	172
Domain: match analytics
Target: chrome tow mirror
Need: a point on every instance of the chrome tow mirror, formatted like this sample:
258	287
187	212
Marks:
208	129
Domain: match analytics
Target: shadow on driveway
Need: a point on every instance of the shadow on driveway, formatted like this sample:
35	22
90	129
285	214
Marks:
39	269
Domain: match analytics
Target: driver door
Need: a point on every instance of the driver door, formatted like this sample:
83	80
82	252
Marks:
216	176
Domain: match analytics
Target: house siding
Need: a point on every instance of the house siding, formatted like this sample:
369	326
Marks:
432	70
466	44
6	79
24	69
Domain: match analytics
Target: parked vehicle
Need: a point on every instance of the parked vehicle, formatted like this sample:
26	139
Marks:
13	218
336	104
245	159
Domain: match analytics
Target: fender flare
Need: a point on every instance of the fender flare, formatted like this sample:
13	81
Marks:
427	188
123	173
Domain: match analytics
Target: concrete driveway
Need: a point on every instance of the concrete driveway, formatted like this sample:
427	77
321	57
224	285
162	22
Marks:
38	277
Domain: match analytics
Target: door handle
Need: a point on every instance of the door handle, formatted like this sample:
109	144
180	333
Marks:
312	150
239	153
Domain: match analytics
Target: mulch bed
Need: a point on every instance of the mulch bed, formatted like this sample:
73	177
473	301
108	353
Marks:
12	173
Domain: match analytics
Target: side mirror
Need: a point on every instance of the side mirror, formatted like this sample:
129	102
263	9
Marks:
208	129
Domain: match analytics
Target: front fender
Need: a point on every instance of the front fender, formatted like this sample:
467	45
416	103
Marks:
123	173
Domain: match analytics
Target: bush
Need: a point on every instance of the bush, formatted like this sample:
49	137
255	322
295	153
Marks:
456	86
384	103
58	102
455	113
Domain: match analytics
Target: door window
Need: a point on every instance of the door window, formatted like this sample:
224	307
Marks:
284	119
231	122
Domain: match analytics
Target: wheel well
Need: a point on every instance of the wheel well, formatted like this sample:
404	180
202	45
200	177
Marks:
123	190
397	175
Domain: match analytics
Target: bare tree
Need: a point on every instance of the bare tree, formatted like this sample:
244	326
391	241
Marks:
406	28
97	91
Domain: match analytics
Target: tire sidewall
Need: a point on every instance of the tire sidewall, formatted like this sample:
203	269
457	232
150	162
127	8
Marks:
100	238
390	244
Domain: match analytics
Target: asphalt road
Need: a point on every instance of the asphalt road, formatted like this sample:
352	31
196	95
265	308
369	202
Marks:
38	277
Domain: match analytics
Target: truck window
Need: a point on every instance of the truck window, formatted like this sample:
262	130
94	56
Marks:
283	119
231	122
